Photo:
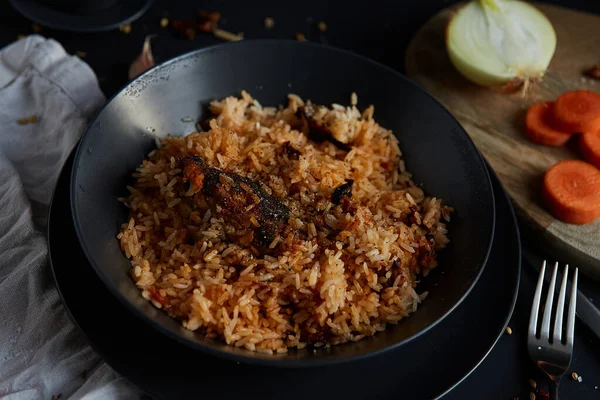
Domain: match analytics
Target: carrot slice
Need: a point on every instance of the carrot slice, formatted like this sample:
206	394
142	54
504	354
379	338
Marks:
577	111
572	191
538	124
590	147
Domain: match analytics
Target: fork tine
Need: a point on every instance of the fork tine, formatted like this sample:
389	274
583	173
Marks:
572	309
535	307
545	332
560	305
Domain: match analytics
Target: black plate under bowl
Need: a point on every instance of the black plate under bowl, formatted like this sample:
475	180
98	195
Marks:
70	15
431	365
436	149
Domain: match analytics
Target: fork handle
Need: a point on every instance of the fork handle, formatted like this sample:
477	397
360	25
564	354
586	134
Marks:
554	389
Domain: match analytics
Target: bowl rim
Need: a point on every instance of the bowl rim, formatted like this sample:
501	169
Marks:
255	357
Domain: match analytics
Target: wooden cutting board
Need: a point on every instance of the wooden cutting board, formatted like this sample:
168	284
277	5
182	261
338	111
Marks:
495	123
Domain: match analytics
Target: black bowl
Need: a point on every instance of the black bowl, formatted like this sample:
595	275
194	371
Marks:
437	151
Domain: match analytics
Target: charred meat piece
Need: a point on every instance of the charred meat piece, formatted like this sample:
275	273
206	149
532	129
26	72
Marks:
289	150
345	189
193	170
322	336
256	215
318	130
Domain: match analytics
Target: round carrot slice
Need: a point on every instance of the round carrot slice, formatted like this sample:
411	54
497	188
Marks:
538	124
572	191
590	147
577	111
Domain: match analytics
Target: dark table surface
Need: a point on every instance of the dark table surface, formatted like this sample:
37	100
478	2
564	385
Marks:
380	30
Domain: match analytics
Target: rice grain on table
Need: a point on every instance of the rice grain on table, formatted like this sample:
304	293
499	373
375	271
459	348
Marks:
341	272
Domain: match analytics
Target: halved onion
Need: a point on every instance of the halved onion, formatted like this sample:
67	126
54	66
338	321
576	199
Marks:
499	43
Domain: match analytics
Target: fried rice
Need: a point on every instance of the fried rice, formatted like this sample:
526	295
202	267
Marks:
358	234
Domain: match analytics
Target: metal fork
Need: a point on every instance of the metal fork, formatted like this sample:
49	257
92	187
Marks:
552	354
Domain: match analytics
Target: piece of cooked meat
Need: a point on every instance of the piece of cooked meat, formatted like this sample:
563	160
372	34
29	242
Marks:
345	189
323	126
258	217
290	151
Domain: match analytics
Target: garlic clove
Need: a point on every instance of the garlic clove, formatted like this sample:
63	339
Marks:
144	61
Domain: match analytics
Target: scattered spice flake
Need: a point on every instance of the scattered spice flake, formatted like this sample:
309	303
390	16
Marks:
81	54
532	383
508	330
206	26
300	37
188	27
32	119
322	26
126	29
21	36
180	25
269	22
144	61
225	35
593	72
37	28
164	22
190	33
532	396
575	376
205	22
213	16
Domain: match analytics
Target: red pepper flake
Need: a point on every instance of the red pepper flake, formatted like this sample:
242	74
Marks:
206	26
543	394
212	16
187	27
190	33
206	22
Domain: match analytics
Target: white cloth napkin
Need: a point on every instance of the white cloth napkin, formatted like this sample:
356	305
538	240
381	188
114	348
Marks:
42	353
